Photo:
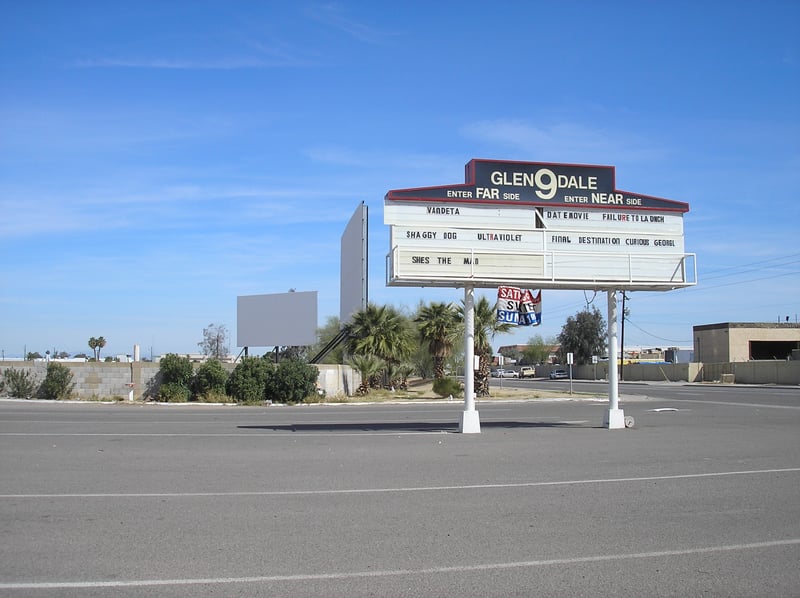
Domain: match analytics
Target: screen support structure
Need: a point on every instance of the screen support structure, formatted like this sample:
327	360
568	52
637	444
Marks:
614	418
470	419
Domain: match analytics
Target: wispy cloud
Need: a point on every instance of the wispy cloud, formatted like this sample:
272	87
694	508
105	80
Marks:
239	52
563	141
333	16
339	155
244	51
275	59
30	213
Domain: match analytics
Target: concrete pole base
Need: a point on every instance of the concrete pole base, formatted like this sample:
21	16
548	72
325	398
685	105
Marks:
614	419
470	423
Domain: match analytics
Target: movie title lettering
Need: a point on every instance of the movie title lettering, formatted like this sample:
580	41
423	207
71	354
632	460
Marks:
417	234
599	240
447	211
488	236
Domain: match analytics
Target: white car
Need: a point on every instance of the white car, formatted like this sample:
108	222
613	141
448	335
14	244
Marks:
505	374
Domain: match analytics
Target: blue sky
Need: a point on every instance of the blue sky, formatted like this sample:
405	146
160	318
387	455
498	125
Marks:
157	159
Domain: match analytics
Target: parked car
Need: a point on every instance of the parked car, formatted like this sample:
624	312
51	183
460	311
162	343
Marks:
501	373
527	371
557	374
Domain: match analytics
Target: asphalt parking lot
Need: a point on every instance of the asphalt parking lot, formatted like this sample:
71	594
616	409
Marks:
701	497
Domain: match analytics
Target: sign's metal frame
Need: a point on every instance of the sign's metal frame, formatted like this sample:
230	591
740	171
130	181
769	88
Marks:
685	273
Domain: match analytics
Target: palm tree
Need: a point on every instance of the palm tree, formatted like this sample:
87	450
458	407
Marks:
101	342
368	366
382	331
93	346
397	375
486	327
437	331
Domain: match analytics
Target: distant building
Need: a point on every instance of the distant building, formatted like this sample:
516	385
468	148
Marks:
745	341
198	357
678	355
510	349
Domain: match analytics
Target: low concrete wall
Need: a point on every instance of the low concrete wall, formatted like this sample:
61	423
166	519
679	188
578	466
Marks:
109	379
746	372
339	380
754	372
96	380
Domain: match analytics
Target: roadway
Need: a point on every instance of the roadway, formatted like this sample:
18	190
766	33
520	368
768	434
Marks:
702	497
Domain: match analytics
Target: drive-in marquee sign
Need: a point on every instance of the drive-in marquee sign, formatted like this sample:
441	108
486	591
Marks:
536	224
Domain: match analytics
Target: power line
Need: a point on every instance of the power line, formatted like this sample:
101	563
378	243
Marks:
742	282
752	270
772	259
661	338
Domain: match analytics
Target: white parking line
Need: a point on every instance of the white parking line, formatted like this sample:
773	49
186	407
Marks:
402	489
730	404
304	577
284	428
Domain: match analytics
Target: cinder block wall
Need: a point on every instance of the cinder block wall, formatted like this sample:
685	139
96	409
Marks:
109	379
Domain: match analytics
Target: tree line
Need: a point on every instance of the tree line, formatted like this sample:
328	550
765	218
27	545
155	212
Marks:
385	345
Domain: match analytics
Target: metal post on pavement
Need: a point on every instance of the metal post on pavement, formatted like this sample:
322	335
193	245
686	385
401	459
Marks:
470	419
570	361
614	418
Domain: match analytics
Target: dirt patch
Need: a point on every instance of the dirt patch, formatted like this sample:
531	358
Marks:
423	389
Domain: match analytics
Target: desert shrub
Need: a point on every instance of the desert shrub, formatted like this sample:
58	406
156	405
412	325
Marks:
247	382
210	379
176	369
176	378
445	387
291	382
320	396
57	382
174	392
21	383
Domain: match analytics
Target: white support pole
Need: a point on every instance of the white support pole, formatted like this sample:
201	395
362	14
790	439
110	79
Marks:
614	418
470	419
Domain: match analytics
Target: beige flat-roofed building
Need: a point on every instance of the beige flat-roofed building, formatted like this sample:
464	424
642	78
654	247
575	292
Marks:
745	341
